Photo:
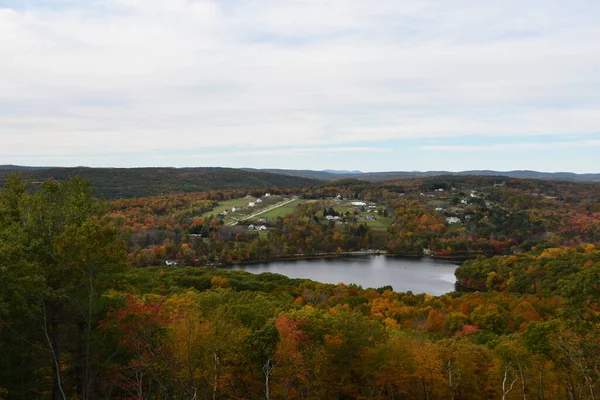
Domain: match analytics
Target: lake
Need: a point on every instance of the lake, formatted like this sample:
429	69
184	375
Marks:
424	275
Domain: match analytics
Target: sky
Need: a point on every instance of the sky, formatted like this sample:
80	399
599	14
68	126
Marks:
382	85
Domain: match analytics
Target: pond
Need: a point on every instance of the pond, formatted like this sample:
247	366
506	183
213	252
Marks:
424	275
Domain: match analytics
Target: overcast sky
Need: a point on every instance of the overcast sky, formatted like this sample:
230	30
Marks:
341	84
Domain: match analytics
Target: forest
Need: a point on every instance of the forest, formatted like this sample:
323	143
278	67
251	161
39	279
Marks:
90	310
116	183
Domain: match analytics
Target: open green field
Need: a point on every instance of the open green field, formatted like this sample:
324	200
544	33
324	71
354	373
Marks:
380	224
227	205
283	210
246	212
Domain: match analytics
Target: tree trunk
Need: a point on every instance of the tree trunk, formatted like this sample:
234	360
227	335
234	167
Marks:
88	337
540	387
523	388
53	346
507	390
267	369
425	390
450	379
216	378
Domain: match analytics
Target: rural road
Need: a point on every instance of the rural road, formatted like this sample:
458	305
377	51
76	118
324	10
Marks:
264	210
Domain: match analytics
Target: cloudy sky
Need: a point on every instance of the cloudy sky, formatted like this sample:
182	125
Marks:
342	84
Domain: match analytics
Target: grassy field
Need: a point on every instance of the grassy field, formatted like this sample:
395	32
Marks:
227	205
244	211
284	210
380	224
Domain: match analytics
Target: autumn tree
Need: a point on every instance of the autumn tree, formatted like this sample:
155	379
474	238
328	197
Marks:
56	252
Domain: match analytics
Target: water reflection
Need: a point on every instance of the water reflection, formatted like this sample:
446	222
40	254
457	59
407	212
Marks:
424	275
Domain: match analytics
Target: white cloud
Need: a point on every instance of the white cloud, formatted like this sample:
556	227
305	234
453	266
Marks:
99	77
513	146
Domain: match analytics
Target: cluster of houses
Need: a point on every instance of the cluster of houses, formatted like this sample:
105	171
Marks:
358	203
260	226
369	217
253	227
255	202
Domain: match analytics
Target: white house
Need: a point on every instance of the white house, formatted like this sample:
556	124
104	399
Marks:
251	204
250	227
258	201
463	201
453	220
358	203
267	194
261	228
171	262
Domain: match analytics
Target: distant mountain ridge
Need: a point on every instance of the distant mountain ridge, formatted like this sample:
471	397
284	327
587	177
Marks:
342	172
113	183
392	175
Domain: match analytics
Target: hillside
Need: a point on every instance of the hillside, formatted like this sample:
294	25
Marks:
135	289
114	183
330	175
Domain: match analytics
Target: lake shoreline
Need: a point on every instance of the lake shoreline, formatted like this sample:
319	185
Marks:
419	275
351	254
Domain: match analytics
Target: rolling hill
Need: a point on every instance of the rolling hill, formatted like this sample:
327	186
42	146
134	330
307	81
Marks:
329	175
113	183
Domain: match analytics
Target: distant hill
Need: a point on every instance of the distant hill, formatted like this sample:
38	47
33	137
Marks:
304	173
393	175
342	172
18	167
113	183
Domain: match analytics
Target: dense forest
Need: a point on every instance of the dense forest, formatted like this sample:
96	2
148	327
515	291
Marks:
116	183
89	310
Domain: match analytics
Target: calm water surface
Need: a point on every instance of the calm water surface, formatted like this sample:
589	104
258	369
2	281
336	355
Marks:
423	275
